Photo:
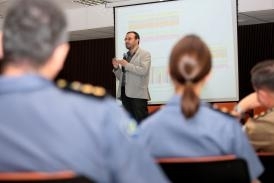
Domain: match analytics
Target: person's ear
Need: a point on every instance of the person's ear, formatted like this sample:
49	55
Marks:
168	71
207	78
264	97
59	56
61	52
1	45
55	63
271	101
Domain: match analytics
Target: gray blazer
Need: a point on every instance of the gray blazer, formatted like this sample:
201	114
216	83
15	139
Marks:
137	76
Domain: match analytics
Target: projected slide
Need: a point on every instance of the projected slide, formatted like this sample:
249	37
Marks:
162	24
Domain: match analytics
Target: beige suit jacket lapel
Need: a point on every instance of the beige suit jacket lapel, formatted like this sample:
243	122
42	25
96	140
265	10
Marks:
135	55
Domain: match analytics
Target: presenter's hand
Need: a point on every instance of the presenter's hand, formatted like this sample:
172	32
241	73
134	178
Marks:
115	63
123	62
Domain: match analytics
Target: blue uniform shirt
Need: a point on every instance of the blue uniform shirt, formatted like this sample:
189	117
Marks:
43	128
168	134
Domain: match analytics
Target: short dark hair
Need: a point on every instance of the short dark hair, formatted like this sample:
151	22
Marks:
262	75
32	29
137	36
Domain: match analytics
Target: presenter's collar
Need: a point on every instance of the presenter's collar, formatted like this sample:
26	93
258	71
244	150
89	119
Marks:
134	51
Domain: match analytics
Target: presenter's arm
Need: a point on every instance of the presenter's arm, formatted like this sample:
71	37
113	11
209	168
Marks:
141	69
116	69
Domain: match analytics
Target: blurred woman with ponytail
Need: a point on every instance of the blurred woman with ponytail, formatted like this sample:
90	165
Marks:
188	127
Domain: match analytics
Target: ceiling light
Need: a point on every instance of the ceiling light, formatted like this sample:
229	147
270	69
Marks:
90	2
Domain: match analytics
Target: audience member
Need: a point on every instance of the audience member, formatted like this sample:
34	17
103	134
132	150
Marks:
187	127
44	128
260	129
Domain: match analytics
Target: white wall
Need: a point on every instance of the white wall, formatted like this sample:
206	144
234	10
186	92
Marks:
89	18
99	16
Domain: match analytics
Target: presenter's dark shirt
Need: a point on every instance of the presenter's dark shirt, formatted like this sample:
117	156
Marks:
127	58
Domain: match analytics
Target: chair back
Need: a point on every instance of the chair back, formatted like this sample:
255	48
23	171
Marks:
267	160
42	177
217	169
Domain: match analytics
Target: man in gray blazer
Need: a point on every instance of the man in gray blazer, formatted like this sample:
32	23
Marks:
133	75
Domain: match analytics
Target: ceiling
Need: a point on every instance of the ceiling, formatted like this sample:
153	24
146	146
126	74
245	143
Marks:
66	4
256	17
247	18
98	33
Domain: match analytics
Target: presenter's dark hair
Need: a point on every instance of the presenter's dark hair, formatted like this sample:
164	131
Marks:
262	75
137	36
32	29
190	62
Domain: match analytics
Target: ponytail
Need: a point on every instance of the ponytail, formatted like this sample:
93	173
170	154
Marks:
190	63
190	101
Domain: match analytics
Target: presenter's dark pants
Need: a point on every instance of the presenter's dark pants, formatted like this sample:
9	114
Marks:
136	107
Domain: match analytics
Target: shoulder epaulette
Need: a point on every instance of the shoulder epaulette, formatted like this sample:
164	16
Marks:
86	89
263	113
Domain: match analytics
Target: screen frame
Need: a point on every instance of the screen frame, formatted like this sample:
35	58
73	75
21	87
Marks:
235	6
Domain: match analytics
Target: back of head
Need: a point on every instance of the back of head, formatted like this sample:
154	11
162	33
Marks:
32	29
262	75
190	63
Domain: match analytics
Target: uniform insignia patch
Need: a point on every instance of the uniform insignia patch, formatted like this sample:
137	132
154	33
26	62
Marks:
78	87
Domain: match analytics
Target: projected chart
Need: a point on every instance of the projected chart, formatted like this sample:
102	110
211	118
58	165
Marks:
159	76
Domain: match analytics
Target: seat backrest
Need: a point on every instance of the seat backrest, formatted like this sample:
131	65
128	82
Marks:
218	169
267	160
42	177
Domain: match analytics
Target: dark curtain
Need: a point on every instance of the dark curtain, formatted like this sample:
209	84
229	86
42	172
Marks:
255	44
89	61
